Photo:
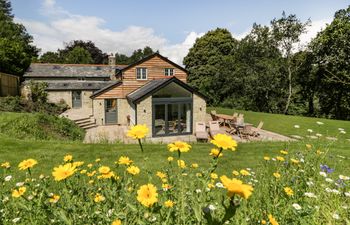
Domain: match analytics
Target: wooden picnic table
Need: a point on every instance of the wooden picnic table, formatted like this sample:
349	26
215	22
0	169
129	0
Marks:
225	118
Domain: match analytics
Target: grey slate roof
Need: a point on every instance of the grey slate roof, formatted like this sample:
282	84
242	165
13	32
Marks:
146	89
76	85
43	70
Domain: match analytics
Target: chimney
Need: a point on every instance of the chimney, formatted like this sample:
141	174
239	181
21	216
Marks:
111	60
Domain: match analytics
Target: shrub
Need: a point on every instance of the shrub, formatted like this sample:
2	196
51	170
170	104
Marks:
39	126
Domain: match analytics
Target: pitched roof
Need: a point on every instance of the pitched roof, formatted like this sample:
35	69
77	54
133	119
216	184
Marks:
149	57
106	88
155	85
47	70
76	85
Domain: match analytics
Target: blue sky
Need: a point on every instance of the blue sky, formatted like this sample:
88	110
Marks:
170	26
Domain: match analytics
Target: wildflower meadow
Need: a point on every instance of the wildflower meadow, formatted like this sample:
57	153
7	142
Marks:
295	186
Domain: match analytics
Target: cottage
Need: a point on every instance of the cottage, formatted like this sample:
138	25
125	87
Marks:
152	91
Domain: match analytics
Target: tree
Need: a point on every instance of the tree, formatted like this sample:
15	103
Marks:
135	56
257	81
98	57
78	56
331	48
211	52
286	32
50	57
16	49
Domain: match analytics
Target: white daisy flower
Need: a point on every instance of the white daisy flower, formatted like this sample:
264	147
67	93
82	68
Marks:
296	206
8	178
335	216
329	180
342	132
342	177
319	135
319	123
296	126
323	174
219	185
310	195
310	130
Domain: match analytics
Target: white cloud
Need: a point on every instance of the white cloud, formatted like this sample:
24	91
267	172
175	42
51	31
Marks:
312	30
62	27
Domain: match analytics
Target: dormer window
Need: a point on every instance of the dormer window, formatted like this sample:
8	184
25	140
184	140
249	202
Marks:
168	71
141	73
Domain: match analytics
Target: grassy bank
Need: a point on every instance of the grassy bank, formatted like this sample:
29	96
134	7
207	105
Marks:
38	126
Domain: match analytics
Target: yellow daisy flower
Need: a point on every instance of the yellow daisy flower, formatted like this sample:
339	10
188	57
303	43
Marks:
27	164
138	131
147	195
179	146
224	141
235	186
63	171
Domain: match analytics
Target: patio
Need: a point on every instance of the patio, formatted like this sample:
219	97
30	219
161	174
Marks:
264	135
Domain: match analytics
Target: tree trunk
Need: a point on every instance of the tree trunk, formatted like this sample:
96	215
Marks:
290	87
311	105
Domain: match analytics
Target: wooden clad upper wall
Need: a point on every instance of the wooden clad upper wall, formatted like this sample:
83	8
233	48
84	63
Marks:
155	70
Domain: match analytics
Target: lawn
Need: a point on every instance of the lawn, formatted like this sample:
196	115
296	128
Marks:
284	124
51	153
197	199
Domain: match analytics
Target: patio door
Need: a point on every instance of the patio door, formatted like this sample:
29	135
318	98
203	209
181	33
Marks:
76	99
111	116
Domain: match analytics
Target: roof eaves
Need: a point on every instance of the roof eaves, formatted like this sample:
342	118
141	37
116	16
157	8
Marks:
106	88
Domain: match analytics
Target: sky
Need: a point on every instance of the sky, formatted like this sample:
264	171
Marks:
168	26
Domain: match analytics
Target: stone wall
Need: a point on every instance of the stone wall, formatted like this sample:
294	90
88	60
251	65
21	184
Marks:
199	110
99	111
86	100
123	109
144	114
58	96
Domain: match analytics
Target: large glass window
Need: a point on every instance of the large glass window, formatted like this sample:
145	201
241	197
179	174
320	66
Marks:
173	118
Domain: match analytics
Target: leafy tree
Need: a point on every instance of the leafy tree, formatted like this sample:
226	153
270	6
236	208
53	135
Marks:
257	82
135	56
331	48
204	60
16	49
78	55
286	32
50	57
98	57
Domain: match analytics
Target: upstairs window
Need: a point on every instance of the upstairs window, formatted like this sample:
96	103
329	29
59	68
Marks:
168	71
141	73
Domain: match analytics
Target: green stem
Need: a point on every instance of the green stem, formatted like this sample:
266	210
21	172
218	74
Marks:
140	145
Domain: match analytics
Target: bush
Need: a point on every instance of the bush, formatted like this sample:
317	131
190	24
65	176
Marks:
18	104
39	126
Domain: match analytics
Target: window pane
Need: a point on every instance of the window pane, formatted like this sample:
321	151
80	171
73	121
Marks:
173	119
185	118
159	119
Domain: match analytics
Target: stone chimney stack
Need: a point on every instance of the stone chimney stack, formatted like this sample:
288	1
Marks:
111	60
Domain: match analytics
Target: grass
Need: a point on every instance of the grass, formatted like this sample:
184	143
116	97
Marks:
284	124
38	126
51	153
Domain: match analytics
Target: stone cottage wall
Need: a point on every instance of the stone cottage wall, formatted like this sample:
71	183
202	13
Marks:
144	113
199	110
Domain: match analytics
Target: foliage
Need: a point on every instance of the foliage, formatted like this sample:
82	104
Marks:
37	91
18	104
286	32
50	57
135	56
195	194
206	58
96	54
16	49
38	126
331	49
78	55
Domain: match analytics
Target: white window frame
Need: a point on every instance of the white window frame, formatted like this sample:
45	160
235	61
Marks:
143	76
167	72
